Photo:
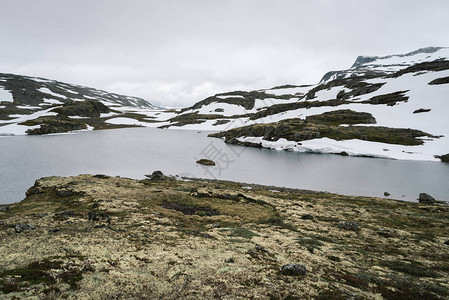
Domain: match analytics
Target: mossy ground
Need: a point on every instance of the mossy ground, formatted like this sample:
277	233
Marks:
213	239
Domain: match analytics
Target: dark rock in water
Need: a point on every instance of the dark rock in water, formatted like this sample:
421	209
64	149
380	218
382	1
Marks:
57	126
426	199
386	232
157	175
206	162
307	217
421	110
293	270
349	225
22	227
4	208
96	216
386	194
443	80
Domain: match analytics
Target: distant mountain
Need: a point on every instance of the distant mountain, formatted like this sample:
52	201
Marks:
393	106
38	106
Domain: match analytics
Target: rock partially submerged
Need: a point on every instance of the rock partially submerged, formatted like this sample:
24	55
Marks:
206	162
426	199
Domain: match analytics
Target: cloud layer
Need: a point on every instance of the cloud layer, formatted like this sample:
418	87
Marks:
174	53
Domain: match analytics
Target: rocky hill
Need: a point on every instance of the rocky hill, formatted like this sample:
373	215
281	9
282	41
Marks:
39	106
393	107
94	236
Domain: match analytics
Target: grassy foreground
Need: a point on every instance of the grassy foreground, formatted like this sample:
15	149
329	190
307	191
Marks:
100	237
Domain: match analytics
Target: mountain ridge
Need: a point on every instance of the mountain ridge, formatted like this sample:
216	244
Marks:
402	92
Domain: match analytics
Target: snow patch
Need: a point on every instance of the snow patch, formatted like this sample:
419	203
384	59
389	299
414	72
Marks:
47	91
5	95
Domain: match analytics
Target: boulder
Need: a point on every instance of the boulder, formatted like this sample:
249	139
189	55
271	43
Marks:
426	199
293	270
157	175
386	194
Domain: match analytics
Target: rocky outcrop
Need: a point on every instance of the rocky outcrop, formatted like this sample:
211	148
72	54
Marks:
57	126
299	130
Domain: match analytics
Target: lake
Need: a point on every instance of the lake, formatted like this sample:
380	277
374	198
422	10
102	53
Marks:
134	152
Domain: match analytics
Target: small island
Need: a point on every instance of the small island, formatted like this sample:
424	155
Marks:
206	162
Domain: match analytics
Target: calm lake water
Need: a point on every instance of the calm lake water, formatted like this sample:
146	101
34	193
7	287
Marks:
136	152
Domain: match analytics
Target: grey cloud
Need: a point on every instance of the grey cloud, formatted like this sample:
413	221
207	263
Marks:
177	52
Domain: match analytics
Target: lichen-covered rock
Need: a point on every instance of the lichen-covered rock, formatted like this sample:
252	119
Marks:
293	270
206	162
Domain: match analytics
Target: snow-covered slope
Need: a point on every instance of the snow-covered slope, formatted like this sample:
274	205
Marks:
399	91
26	103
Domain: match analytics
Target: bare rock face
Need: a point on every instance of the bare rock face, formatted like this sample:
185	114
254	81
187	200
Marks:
426	199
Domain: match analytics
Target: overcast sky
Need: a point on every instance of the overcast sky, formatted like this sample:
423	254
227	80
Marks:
175	53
